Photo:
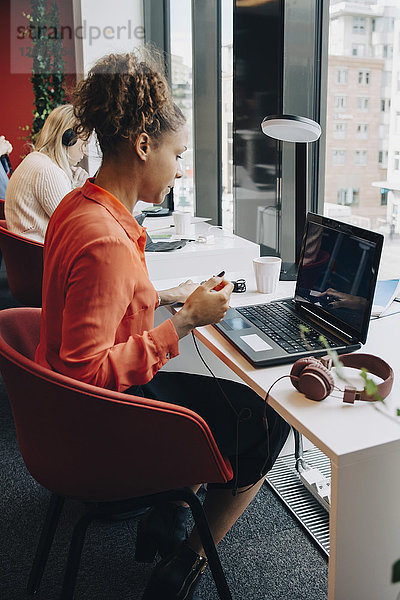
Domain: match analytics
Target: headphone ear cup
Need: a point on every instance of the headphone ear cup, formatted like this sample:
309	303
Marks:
299	366
316	382
69	138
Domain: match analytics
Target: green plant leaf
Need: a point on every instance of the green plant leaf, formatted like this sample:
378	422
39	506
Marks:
370	386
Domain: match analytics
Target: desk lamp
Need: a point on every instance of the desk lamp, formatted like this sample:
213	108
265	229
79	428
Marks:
301	131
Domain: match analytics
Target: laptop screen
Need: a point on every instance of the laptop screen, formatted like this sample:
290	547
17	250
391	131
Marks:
337	273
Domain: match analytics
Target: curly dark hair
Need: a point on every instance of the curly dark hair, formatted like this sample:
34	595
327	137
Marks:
123	96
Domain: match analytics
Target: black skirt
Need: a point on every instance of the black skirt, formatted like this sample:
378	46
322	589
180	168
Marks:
235	415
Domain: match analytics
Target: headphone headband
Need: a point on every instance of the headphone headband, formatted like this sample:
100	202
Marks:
373	364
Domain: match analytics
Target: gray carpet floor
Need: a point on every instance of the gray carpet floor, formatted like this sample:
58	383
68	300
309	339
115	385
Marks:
266	555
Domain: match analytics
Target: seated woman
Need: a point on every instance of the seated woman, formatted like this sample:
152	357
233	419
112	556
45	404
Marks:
45	176
98	306
5	149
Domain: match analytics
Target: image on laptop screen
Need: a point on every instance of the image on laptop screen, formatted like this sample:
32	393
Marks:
336	273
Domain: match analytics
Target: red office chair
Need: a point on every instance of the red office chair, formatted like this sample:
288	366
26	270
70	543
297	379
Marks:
140	453
24	265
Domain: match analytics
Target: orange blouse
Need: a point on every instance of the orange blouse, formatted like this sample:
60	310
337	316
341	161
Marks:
98	302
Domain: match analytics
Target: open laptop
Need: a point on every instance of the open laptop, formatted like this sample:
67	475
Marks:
334	293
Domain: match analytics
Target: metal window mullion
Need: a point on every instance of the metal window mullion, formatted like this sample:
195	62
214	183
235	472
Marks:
206	45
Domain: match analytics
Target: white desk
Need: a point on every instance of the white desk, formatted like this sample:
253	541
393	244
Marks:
222	252
364	449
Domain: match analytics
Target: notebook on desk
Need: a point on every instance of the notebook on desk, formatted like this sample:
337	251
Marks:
334	293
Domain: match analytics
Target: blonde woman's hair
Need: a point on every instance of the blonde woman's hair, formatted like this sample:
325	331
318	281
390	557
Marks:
49	139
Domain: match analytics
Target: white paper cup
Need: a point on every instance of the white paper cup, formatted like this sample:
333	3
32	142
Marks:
182	221
267	270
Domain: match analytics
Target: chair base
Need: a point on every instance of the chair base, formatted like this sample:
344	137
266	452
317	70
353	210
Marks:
107	511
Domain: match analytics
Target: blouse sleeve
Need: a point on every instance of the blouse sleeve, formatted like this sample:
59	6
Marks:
100	289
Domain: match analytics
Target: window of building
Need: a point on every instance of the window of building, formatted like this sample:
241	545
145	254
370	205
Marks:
360	157
339	130
362	103
181	83
338	156
364	77
359	25
383	158
358	50
340	102
385	104
384	196
387	51
341	76
362	131
396	160
348	196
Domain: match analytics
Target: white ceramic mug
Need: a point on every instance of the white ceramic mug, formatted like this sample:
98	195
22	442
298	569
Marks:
182	221
267	270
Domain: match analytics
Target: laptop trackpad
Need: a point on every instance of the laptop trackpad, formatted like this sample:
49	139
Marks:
255	342
236	324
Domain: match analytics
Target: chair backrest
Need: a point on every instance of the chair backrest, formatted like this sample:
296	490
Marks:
24	264
86	442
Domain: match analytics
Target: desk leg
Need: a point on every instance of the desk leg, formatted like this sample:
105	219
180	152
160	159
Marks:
365	525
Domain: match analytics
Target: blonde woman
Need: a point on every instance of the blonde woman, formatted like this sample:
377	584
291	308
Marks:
45	176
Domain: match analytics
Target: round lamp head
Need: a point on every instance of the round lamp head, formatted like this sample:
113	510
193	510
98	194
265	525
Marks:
291	128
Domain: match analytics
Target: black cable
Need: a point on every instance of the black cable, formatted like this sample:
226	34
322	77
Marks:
239	418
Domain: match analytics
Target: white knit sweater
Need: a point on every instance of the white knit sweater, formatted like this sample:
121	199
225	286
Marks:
34	191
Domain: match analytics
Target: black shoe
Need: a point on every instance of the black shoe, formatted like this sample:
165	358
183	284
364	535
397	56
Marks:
177	576
162	530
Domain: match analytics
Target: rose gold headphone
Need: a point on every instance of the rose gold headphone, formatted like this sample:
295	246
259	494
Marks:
313	378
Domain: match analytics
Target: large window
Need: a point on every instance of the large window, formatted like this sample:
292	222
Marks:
181	83
364	175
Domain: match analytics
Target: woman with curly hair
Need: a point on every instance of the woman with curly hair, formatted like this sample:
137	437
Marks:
46	175
98	306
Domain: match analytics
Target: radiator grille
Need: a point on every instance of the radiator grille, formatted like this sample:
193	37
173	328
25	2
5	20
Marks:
284	480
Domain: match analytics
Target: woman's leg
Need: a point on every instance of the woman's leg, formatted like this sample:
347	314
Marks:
235	415
222	510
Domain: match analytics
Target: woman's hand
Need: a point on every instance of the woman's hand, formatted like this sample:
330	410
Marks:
206	305
5	146
180	293
336	299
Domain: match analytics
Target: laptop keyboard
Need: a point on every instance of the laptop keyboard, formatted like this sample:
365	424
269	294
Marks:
282	326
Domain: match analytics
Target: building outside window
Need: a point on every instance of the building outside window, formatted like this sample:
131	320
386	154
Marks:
361	157
338	156
362	103
339	130
181	83
363	77
347	196
372	194
341	76
383	158
396	160
358	49
362	131
340	102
